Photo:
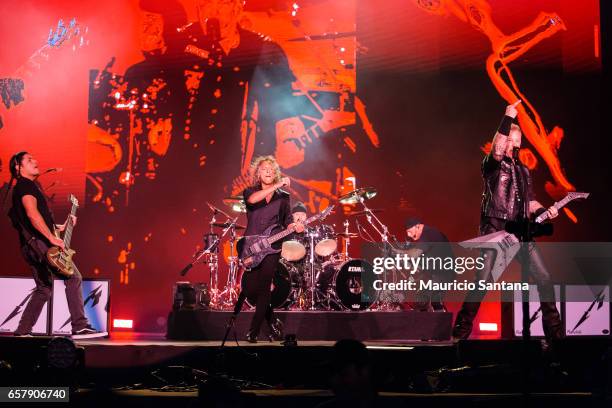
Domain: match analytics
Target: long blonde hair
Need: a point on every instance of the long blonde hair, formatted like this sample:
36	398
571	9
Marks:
255	167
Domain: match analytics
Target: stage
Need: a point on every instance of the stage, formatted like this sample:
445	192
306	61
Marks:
318	325
144	369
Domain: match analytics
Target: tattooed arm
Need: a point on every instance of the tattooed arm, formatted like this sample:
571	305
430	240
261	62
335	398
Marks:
500	140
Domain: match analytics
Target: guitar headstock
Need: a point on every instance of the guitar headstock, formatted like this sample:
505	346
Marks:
73	200
67	32
574	195
326	212
320	216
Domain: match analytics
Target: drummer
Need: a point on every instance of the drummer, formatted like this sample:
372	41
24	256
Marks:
431	243
298	212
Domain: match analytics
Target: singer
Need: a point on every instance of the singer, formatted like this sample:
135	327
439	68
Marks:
266	205
508	196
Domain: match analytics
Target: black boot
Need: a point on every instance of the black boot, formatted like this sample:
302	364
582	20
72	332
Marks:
276	330
251	337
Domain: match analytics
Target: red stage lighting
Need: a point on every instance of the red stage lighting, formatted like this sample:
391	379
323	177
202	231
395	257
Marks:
488	327
123	324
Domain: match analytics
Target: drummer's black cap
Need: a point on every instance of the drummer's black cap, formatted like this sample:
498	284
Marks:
298	207
412	221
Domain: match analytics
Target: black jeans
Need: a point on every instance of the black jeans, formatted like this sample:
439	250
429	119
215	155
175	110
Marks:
43	276
257	286
530	258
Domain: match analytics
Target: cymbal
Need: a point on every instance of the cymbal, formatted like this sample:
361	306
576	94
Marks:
347	235
358	213
227	224
236	203
234	199
353	196
216	210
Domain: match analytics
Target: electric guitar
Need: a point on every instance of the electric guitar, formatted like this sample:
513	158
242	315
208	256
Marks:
254	248
506	245
60	259
11	88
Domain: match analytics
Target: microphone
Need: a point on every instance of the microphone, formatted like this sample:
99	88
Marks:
184	27
52	169
186	269
515	153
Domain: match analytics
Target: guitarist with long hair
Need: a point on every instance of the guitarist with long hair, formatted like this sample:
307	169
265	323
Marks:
31	216
508	197
267	205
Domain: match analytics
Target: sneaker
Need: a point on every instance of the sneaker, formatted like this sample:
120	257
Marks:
88	332
22	334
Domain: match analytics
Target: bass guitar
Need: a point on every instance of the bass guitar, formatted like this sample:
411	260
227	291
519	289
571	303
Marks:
254	248
61	259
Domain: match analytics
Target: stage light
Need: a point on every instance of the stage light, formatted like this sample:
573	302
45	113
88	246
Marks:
488	327
123	323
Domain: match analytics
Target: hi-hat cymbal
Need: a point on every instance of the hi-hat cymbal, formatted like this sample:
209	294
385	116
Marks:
358	213
354	196
236	203
227	224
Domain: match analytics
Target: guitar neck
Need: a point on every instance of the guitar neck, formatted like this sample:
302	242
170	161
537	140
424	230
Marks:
273	238
558	205
69	227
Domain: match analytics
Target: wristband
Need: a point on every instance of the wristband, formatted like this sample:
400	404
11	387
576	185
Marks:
504	126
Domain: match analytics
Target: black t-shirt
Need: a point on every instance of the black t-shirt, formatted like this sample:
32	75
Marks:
262	215
18	213
434	244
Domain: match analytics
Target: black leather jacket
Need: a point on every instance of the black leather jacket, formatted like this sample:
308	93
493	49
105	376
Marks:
503	196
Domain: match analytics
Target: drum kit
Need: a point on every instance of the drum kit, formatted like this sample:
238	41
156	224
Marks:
315	271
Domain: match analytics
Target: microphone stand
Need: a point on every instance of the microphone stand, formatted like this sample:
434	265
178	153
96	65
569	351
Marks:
524	236
209	249
383	231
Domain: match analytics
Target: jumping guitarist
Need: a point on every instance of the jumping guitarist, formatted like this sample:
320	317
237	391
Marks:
33	220
267	205
508	196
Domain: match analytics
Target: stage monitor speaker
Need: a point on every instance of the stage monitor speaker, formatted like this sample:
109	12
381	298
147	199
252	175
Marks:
534	309
15	292
96	302
590	316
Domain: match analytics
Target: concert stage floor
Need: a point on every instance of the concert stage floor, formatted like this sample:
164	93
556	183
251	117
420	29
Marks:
318	325
146	369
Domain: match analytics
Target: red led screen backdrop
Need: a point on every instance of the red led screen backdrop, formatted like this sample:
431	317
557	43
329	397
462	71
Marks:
148	110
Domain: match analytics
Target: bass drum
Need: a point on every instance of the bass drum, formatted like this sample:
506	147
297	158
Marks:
353	285
282	288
